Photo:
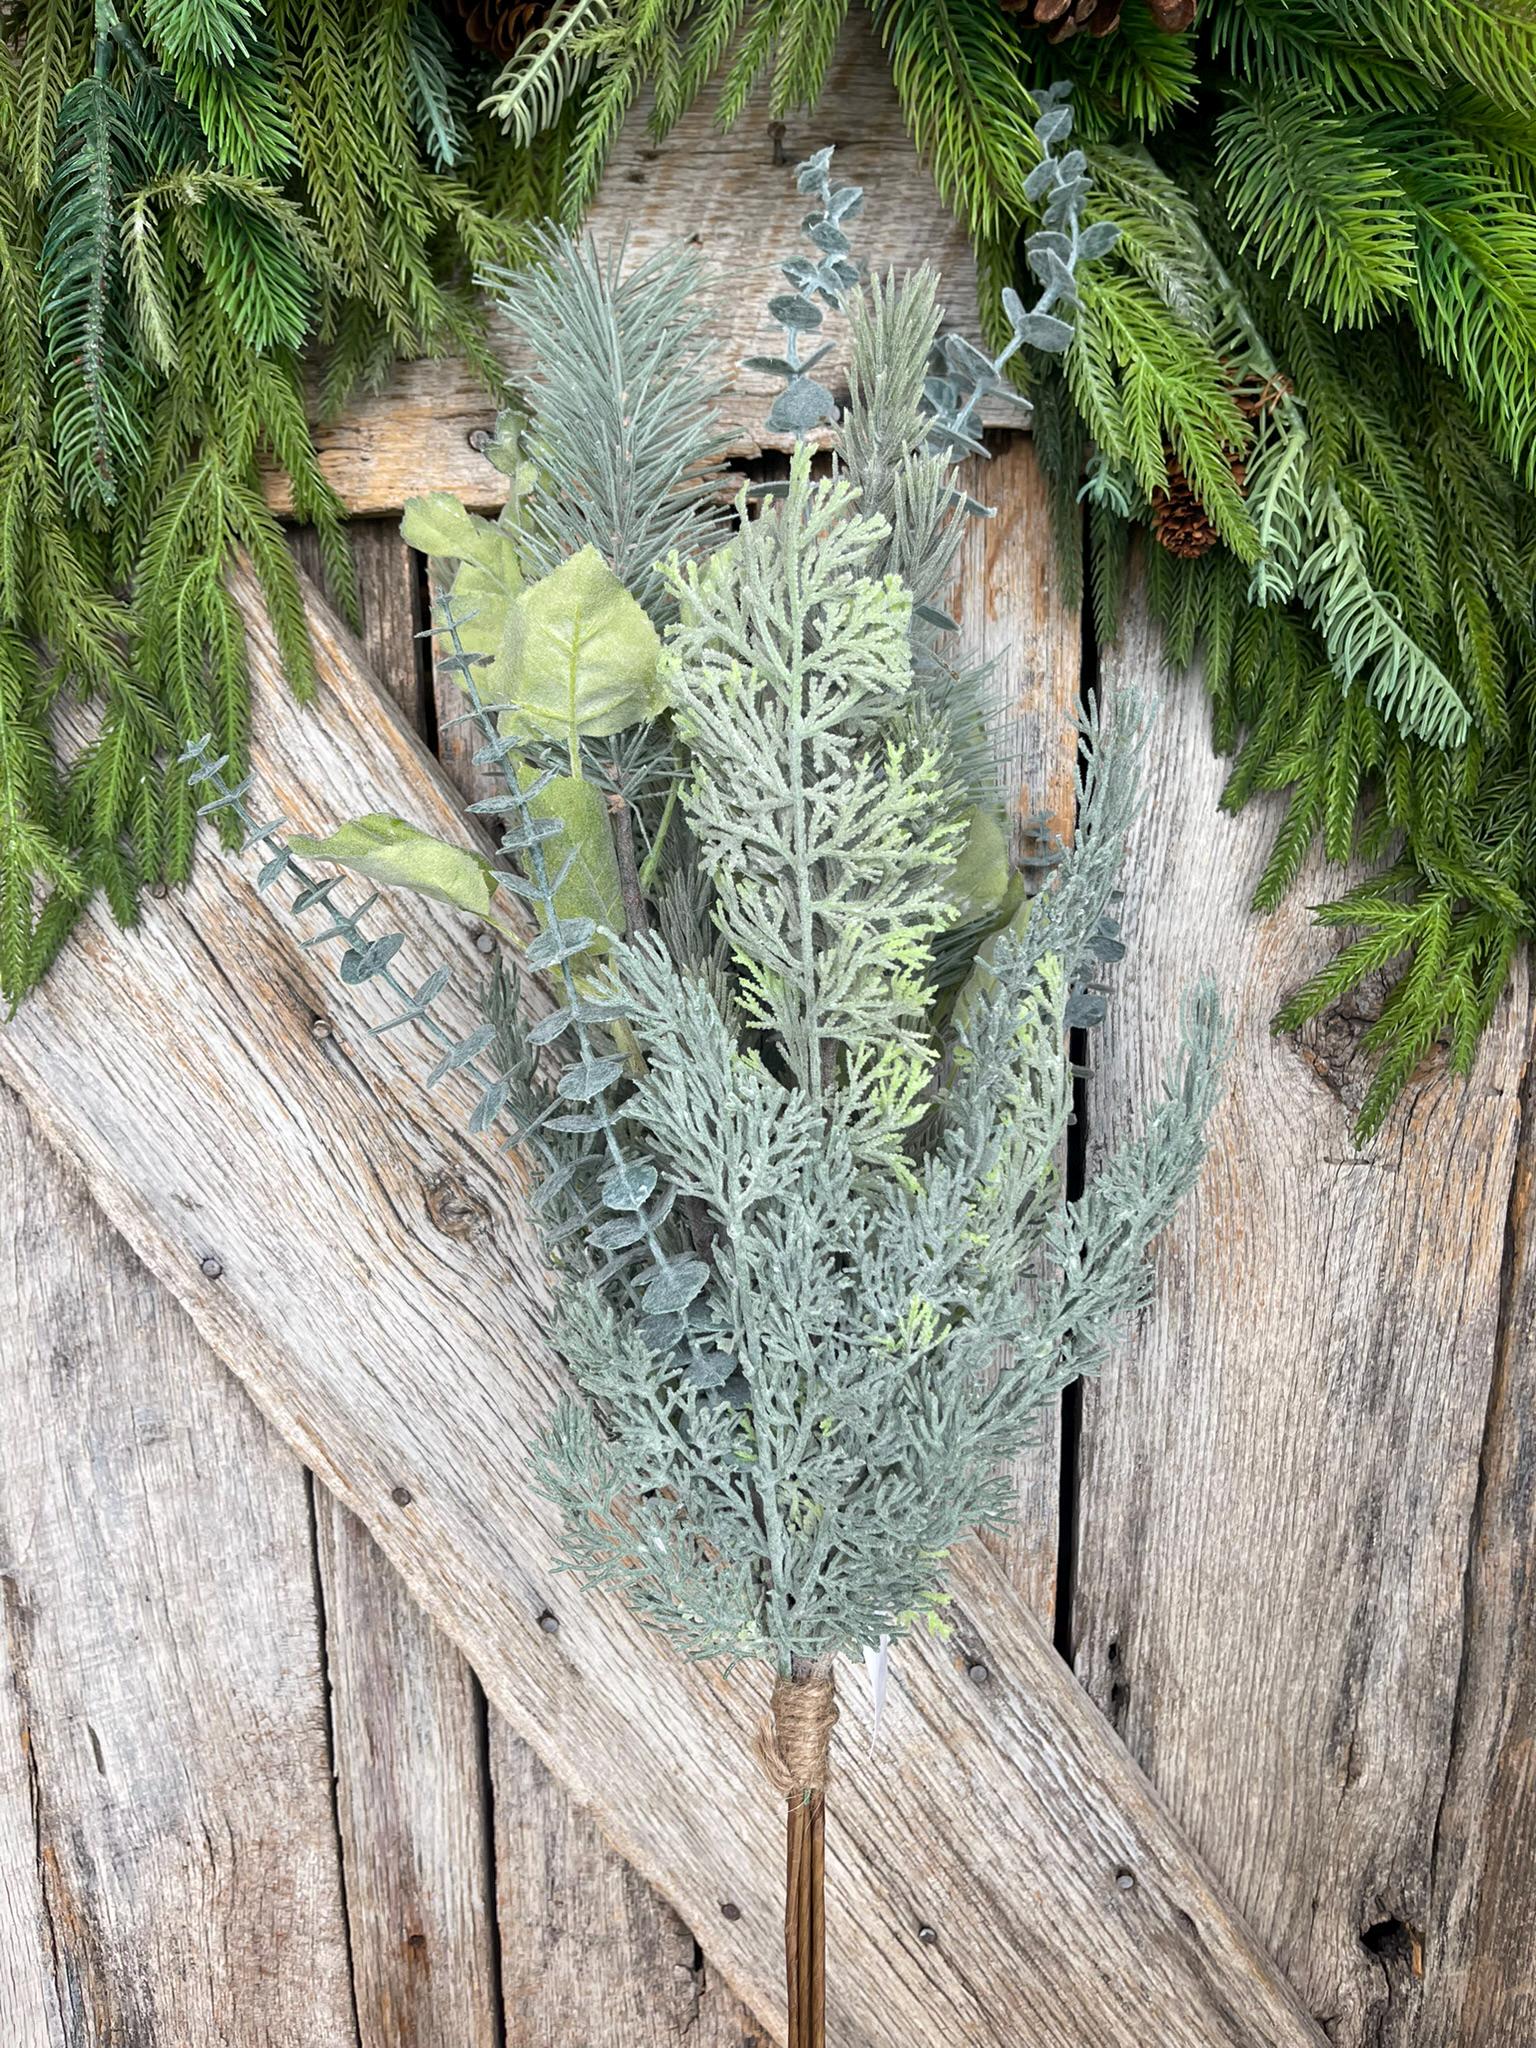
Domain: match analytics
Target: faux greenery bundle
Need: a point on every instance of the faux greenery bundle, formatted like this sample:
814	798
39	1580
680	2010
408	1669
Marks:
192	191
1307	371
796	1110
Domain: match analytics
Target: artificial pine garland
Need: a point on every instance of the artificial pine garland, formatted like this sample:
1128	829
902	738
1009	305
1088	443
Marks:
192	191
1308	373
795	1117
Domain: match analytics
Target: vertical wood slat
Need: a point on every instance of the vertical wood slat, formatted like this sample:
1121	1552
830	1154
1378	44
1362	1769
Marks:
168	1859
1011	613
1279	1470
412	1793
389	607
1480	1942
590	1952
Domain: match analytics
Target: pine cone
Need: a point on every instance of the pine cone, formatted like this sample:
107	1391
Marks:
1063	18
496	27
1179	520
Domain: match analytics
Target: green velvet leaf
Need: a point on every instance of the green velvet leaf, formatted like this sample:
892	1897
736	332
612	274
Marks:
389	851
583	656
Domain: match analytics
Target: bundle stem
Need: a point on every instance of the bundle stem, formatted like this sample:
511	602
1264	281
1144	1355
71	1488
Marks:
795	1744
805	1934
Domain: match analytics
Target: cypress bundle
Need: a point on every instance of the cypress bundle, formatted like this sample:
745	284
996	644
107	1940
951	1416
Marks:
795	1118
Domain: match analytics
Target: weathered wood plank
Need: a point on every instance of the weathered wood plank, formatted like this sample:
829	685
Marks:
411	1794
396	1357
1011	612
1479	1942
1278	1477
732	195
163	1695
390	608
29	1988
590	1952
412	1791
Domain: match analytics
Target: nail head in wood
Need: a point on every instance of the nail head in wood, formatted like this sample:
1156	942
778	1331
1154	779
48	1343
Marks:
401	1496
484	943
479	439
730	1910
928	1936
212	1268
322	1028
1124	1881
979	1673
550	1623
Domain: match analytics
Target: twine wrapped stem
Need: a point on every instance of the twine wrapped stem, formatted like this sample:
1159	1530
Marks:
793	1743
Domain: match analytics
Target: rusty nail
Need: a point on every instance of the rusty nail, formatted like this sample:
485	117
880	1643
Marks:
401	1496
212	1268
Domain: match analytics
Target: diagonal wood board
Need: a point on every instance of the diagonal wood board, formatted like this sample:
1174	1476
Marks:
998	1870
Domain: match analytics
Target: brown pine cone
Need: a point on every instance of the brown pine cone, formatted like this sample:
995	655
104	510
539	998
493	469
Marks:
497	26
1063	18
1179	519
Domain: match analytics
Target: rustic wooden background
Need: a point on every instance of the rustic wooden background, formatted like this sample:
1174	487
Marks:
315	1750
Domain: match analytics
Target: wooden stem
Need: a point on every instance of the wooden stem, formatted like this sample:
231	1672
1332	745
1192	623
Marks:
636	920
805	1934
794	1745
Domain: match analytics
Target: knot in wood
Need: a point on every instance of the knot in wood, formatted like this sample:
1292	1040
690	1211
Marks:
454	1210
795	1735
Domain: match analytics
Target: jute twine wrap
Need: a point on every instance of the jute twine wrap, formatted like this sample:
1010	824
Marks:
794	1736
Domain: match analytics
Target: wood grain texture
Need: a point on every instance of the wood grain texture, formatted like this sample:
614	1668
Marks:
397	1356
407	1716
733	196
1479	1940
1278	1477
1011	612
390	608
411	1803
590	1951
168	1854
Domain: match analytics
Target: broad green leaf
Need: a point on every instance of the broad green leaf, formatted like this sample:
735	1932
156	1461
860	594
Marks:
584	660
389	851
440	526
591	885
978	881
487	581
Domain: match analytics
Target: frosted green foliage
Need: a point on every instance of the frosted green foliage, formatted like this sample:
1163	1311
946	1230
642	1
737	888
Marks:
822	823
796	1491
795	1124
624	442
